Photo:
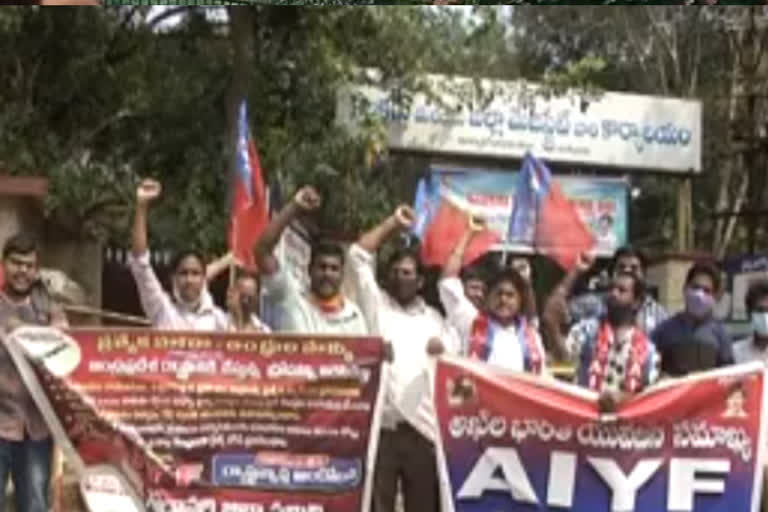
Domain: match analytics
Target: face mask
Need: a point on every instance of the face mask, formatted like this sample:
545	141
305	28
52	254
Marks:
698	303
404	289
760	324
192	306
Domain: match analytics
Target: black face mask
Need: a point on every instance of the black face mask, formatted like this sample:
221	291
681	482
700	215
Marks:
404	290
619	314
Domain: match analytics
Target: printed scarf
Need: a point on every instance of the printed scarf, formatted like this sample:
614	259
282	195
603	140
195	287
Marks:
638	353
481	339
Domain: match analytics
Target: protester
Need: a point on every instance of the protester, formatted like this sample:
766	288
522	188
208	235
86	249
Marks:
322	309
25	443
613	356
242	294
191	307
500	333
243	304
755	347
400	316
626	259
693	340
473	280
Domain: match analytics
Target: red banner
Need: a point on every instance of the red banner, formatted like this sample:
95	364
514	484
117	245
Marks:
216	422
518	443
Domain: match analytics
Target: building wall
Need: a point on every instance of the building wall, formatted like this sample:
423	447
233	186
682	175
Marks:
19	214
669	276
81	261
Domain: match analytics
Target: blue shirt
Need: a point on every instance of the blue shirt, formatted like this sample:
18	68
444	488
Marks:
688	346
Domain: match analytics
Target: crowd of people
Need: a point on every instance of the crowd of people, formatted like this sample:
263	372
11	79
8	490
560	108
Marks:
620	340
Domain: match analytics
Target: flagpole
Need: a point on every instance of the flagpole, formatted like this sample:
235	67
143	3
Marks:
232	270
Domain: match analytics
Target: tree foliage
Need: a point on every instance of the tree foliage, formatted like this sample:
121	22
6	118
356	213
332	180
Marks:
95	98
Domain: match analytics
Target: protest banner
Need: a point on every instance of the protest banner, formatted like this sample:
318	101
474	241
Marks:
209	422
516	443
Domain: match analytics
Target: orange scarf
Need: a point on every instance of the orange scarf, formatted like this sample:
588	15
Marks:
329	306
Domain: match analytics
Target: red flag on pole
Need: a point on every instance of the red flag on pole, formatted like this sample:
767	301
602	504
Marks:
441	222
248	215
559	232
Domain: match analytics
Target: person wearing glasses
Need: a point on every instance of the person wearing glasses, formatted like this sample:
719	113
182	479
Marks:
626	260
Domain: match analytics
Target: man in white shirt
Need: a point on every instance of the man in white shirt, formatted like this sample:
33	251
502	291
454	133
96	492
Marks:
755	347
322	309
191	307
399	315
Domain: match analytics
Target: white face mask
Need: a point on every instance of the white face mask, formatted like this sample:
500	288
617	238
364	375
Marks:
760	324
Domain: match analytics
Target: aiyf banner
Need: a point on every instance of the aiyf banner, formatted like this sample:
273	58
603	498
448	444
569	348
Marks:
212	422
519	444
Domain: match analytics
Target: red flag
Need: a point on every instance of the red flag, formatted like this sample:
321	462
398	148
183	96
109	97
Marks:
249	215
445	226
560	233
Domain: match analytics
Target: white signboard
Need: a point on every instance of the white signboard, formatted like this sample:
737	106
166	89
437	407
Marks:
628	131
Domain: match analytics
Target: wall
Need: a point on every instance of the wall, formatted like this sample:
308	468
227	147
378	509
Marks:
19	214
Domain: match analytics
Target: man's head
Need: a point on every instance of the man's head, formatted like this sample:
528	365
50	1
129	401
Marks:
506	296
20	264
248	291
326	270
625	296
475	287
757	307
405	275
605	224
702	286
188	276
629	259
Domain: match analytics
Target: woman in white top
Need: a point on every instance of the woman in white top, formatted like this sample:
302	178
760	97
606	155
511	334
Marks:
501	333
190	307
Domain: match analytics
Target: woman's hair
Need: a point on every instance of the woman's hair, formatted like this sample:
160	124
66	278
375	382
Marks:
510	275
181	256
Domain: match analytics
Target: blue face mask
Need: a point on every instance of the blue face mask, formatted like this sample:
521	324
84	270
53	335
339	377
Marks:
699	303
760	324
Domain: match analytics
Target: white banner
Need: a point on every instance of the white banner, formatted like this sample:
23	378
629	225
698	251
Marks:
629	131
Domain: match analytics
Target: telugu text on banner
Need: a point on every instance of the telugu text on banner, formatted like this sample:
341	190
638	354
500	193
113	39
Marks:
215	422
514	443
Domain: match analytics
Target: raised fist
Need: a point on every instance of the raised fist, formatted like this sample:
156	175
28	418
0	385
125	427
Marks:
405	216
147	191
584	262
307	199
477	223
435	347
